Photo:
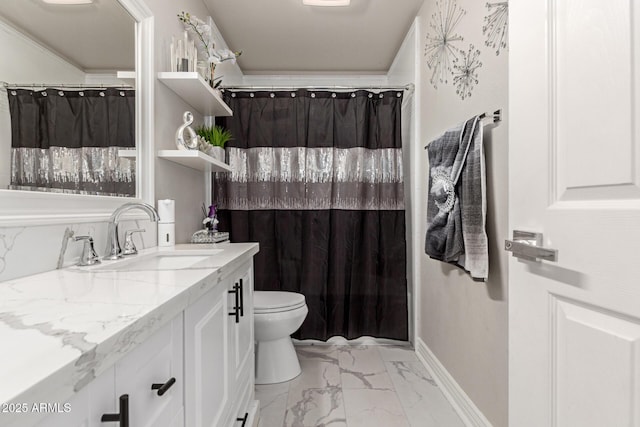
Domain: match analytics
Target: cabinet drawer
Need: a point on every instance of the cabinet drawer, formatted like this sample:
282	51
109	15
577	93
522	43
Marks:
158	361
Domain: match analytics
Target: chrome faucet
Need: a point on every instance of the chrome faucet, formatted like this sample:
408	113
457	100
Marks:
89	255
113	244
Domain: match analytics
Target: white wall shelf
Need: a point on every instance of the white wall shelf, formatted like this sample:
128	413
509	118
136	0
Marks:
196	92
129	77
194	159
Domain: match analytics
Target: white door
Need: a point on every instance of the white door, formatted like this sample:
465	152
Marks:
574	144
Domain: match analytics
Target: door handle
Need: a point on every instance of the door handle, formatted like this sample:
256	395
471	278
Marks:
241	292
243	419
162	388
527	245
236	308
122	417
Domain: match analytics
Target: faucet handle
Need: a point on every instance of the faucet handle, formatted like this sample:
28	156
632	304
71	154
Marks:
89	255
129	246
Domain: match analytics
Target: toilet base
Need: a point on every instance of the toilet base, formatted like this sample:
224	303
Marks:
276	361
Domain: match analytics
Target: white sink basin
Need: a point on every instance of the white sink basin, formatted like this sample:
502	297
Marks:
159	261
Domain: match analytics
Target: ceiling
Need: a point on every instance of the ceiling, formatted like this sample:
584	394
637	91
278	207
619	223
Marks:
95	37
287	37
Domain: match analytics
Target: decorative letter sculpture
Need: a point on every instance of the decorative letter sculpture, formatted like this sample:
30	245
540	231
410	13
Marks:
185	136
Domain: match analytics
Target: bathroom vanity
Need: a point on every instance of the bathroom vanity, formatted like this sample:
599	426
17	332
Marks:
161	339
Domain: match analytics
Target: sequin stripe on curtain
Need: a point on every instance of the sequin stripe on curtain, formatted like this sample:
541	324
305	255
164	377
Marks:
312	178
87	170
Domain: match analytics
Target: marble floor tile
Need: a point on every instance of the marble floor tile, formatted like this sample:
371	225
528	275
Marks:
396	353
273	403
373	408
315	396
354	386
423	402
320	353
362	367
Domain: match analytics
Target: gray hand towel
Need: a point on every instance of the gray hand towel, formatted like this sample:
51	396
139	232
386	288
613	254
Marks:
456	207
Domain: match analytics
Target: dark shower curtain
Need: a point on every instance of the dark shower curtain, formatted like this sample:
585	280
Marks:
68	140
318	182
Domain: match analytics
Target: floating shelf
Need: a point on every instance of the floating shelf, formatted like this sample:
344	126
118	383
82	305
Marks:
194	159
129	77
196	92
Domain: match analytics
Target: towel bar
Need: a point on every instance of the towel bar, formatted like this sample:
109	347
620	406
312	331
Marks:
496	116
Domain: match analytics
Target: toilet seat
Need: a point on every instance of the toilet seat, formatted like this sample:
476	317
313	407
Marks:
276	301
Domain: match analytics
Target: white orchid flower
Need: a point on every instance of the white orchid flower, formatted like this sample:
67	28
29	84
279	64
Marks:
221	55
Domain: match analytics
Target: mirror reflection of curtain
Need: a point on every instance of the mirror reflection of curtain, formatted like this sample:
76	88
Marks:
68	140
317	180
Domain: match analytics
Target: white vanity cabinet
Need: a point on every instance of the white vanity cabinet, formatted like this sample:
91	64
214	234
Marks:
219	361
87	406
152	376
155	361
196	369
241	351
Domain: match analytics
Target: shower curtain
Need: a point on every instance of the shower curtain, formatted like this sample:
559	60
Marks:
317	180
68	140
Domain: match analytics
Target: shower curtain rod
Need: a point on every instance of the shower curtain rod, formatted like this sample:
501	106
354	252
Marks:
407	87
62	86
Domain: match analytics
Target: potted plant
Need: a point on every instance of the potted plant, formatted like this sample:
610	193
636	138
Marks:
216	136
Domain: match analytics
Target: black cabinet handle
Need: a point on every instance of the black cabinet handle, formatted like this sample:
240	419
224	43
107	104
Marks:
243	419
122	417
162	388
236	308
241	291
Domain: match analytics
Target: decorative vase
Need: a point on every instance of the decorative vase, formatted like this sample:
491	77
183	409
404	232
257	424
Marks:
212	68
217	153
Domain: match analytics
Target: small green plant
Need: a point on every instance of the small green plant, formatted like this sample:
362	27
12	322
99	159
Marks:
216	135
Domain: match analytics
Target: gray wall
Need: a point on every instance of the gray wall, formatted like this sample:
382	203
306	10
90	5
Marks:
174	181
20	257
401	73
464	323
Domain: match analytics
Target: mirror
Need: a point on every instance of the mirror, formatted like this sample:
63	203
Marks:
73	52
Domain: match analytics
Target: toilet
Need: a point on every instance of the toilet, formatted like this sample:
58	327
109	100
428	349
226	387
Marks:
276	316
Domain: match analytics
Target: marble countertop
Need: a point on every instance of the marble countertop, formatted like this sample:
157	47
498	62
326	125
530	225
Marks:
61	329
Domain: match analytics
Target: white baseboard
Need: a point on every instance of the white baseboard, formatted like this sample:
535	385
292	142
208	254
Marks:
466	409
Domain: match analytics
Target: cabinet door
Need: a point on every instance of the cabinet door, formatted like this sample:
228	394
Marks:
206	363
241	350
242	332
85	408
158	360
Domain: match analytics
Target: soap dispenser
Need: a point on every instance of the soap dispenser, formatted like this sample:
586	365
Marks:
167	222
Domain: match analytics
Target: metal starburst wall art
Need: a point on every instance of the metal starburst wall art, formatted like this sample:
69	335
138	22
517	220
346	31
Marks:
440	48
496	26
465	72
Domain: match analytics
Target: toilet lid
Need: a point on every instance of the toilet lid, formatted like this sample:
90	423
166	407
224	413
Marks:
275	301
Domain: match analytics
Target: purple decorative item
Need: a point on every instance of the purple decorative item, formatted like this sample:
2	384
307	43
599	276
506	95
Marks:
211	222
